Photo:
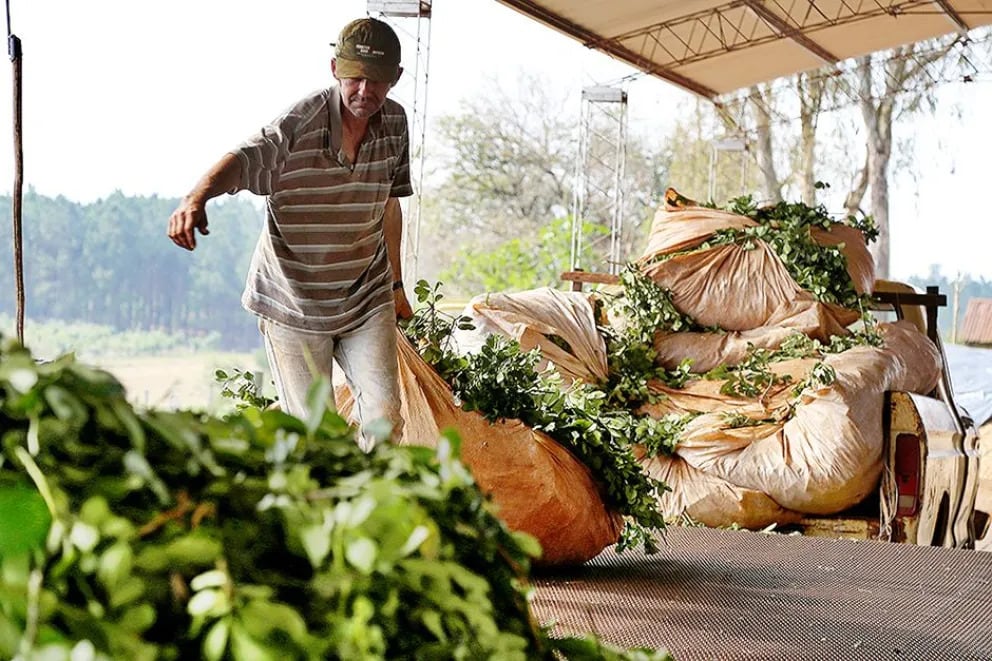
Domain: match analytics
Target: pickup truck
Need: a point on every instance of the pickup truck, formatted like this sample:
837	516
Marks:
931	446
930	451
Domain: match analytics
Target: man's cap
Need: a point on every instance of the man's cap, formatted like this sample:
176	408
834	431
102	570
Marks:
368	48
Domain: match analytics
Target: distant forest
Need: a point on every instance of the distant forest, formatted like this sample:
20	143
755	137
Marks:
110	263
963	290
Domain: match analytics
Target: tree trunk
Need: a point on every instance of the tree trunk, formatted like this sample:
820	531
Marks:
810	89
852	203
880	212
763	149
878	126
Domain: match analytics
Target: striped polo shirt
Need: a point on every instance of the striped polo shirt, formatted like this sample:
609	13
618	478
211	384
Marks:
320	263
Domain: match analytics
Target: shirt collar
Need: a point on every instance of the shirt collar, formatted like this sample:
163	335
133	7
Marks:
334	119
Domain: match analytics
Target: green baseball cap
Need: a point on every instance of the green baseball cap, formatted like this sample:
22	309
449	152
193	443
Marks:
368	48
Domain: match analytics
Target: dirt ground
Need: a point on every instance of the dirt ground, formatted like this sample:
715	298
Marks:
174	382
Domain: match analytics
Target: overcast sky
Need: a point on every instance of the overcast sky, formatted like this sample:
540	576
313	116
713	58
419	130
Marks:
143	96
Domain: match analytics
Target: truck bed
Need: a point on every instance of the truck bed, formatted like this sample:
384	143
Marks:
726	595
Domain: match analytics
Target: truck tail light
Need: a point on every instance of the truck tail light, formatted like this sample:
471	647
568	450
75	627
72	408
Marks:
908	469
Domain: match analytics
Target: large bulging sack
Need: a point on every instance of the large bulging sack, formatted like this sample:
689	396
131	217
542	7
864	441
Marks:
734	287
559	324
711	500
538	486
707	350
827	456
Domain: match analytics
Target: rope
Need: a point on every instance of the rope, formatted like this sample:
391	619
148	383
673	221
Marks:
14	50
888	492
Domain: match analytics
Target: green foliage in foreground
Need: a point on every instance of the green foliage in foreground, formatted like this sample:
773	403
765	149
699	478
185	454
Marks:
152	535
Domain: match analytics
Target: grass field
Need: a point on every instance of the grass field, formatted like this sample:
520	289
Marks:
177	381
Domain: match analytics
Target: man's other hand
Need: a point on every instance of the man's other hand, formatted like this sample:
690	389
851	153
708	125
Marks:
403	309
188	216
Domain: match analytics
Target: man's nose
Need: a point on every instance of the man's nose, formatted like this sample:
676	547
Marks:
363	84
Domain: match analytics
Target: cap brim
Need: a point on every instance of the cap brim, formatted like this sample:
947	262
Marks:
380	73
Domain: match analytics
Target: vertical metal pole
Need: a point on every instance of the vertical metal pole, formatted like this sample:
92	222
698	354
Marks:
578	197
420	134
422	10
14	50
616	227
712	190
955	308
745	157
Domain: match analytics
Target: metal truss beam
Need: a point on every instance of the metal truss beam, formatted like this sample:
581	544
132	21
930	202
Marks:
953	15
790	31
401	8
610	46
743	24
967	61
599	190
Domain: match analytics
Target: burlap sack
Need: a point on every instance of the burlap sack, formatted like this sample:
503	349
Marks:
710	500
707	350
827	456
733	287
533	318
538	486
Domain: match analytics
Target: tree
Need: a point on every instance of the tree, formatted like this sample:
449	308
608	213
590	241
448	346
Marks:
505	172
505	157
109	264
901	86
783	125
518	264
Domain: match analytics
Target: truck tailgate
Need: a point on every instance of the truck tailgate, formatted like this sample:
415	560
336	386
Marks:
721	594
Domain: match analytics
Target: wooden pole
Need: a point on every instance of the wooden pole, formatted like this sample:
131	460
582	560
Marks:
14	49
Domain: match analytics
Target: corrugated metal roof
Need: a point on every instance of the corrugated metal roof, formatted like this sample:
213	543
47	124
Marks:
977	326
712	47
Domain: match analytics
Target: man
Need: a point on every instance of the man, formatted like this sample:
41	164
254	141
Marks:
325	277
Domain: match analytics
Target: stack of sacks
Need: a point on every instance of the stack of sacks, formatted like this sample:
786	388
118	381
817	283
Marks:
538	486
745	291
821	458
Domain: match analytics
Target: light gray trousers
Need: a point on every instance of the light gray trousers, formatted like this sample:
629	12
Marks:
366	355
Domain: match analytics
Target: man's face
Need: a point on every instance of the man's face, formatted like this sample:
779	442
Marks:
363	97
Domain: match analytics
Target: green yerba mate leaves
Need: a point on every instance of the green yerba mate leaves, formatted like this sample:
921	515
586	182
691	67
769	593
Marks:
176	535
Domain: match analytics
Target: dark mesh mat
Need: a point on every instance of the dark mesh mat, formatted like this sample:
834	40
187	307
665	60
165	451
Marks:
714	594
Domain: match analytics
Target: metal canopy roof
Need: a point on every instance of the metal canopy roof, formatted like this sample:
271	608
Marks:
712	47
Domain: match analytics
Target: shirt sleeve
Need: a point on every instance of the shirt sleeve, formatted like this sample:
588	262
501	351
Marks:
263	155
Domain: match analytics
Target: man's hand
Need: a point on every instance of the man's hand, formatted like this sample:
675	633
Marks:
403	309
190	215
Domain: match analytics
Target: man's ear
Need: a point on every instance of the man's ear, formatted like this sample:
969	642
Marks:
399	74
334	68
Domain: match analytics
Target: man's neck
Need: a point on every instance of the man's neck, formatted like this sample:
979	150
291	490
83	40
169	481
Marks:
351	124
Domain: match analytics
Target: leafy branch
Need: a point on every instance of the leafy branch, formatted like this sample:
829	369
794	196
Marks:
643	309
500	381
